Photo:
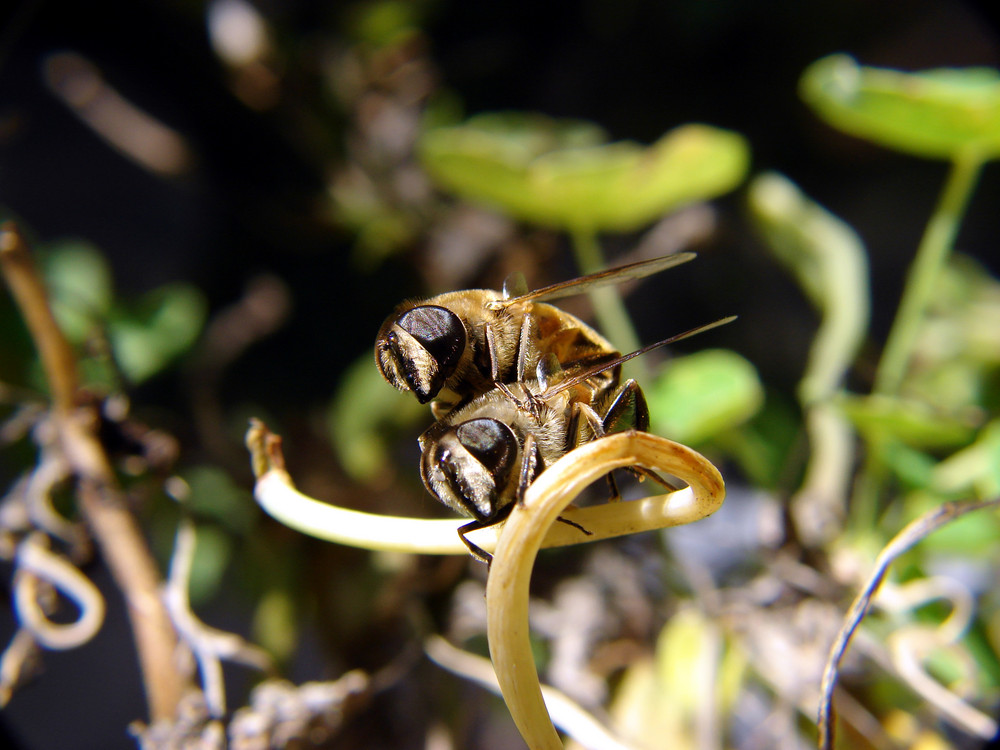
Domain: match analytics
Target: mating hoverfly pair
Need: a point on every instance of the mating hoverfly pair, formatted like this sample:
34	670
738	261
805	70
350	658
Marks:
515	383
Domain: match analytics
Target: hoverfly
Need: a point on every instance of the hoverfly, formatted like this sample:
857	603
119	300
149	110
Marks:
459	345
480	458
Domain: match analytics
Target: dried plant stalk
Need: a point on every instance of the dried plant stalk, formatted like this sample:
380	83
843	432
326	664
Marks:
101	501
529	525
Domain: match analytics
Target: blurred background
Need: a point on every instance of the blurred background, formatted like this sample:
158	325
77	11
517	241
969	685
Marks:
236	182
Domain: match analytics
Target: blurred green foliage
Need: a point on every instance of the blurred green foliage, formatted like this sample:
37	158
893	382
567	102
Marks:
143	336
365	417
937	438
702	395
828	260
564	175
661	697
933	114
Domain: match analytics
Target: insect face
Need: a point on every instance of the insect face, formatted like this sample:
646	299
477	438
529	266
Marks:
469	467
459	345
419	349
480	458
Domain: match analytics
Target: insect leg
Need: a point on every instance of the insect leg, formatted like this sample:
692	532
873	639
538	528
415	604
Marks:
491	353
626	410
642	472
523	344
494	364
586	425
530	463
616	495
574	524
477	552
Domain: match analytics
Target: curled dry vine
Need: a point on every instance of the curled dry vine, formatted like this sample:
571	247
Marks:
75	419
530	527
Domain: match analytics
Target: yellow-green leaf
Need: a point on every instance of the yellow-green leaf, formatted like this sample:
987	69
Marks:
703	394
935	113
914	423
561	174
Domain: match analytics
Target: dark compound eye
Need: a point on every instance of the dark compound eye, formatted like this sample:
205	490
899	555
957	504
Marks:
493	444
439	331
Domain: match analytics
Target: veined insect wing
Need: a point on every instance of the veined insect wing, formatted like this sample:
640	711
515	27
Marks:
548	371
606	277
514	286
582	375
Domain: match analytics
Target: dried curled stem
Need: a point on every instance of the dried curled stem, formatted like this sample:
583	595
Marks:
100	498
277	495
209	645
529	525
515	544
912	533
26	285
37	563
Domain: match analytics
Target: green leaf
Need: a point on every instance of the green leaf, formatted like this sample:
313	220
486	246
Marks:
974	470
363	410
703	394
212	553
165	324
829	261
561	175
913	423
384	23
213	494
957	350
276	624
934	114
911	466
762	445
80	287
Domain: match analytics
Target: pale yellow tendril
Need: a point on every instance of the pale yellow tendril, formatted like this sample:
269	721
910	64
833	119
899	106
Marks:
529	524
515	544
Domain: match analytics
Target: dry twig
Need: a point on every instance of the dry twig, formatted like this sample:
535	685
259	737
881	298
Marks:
914	532
100	498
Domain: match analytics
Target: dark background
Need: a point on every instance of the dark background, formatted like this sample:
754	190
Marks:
253	202
636	68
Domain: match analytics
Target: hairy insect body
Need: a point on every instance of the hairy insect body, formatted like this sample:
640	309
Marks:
458	345
471	460
480	458
515	383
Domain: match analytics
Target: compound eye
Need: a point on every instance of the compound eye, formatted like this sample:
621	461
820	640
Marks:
440	332
493	444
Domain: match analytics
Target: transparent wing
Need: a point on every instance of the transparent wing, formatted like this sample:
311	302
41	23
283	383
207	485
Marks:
602	278
581	376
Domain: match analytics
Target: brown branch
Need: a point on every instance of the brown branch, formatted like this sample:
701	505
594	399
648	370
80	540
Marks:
26	285
101	500
135	573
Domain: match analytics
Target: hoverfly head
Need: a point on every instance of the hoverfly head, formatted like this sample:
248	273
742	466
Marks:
420	349
468	467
